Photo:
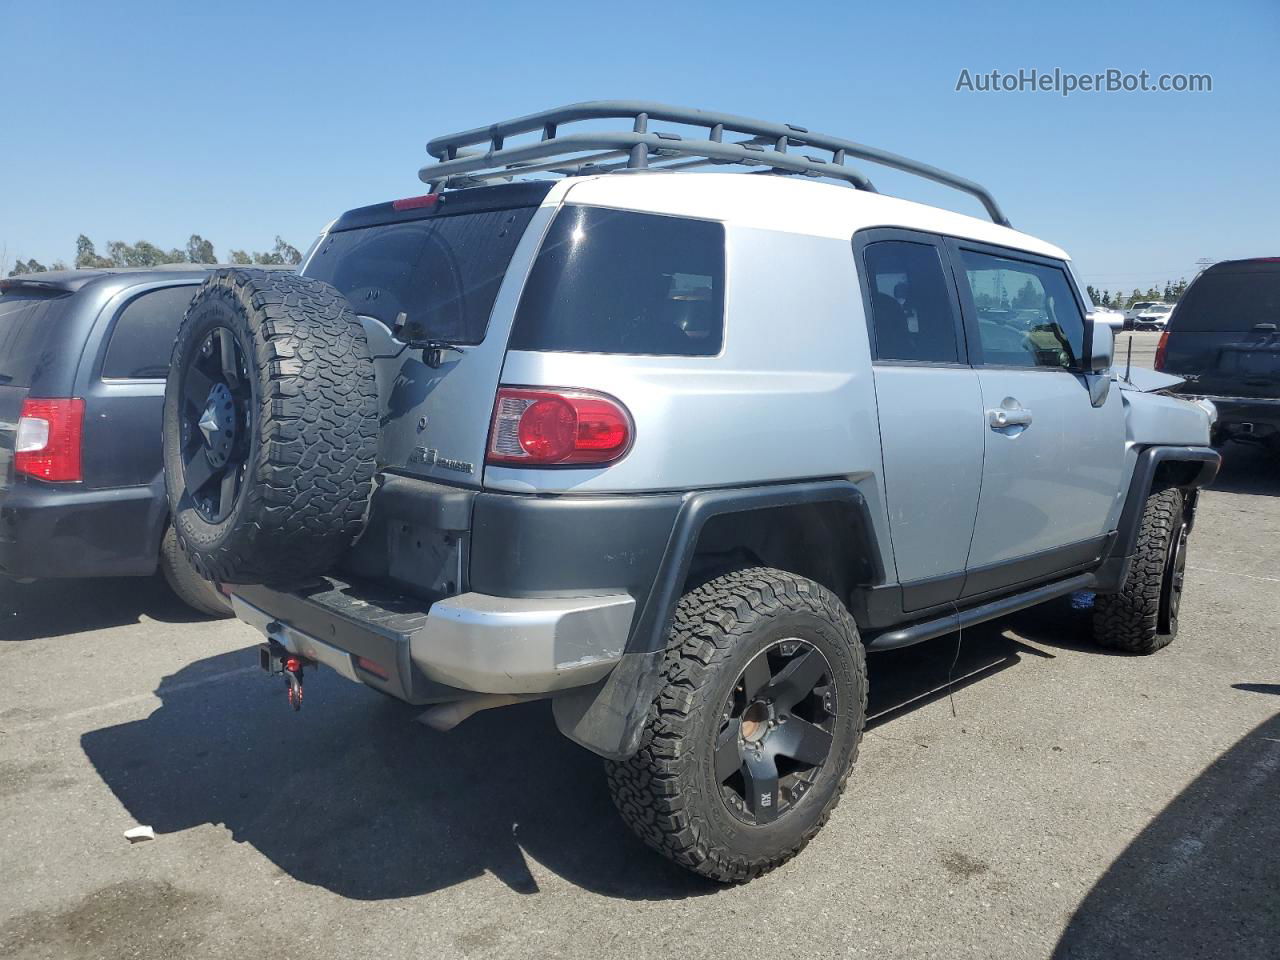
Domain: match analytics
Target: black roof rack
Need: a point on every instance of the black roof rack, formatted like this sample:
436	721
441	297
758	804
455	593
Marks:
602	151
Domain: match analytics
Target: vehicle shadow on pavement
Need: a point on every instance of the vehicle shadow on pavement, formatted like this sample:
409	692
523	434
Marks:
350	795
1203	879
1248	468
61	608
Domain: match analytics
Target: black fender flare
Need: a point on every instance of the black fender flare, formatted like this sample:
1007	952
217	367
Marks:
608	717
1202	463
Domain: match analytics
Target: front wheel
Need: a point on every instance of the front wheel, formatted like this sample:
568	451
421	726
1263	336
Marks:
749	743
1143	617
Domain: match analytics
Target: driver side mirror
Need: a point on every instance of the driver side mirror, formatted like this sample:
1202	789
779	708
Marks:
1102	347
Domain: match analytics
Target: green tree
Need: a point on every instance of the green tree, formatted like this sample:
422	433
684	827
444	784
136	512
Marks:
239	256
1093	295
287	252
200	250
87	257
27	266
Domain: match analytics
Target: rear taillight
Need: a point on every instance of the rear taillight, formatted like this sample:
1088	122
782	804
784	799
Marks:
536	428
1161	348
47	445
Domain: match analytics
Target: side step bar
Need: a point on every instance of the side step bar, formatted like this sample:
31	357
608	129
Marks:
927	630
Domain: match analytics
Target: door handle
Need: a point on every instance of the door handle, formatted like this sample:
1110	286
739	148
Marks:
1002	417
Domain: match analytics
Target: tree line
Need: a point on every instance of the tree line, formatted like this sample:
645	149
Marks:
1171	293
145	254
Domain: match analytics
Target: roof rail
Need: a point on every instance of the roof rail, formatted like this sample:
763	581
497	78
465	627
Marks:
599	151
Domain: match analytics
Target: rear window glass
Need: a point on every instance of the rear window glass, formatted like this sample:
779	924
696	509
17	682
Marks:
1229	302
143	334
612	281
27	321
443	272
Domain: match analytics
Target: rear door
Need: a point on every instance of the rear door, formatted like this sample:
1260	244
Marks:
122	382
1054	452
440	268
1225	333
930	410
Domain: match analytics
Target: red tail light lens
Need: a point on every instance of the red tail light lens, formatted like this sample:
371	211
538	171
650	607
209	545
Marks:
557	428
1161	348
47	444
416	203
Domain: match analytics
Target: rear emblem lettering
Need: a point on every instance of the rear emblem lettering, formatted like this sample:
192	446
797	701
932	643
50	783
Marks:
430	457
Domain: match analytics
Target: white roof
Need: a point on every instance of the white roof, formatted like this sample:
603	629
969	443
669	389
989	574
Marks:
791	204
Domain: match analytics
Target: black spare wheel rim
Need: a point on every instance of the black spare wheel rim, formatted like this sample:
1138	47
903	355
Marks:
216	424
1175	574
775	731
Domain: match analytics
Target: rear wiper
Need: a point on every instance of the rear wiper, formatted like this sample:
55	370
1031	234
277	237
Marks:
433	348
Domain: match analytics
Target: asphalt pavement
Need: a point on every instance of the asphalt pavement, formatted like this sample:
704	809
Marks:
1055	800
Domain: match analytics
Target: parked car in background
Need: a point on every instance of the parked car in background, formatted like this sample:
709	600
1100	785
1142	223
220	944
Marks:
83	360
1154	317
1224	341
1139	307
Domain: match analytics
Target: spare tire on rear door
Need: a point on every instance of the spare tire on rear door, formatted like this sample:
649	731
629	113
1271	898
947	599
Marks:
270	427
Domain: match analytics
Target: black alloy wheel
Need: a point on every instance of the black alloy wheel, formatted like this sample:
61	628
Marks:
1175	575
216	424
776	730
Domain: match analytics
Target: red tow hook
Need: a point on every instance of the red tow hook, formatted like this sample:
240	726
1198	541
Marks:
275	659
293	676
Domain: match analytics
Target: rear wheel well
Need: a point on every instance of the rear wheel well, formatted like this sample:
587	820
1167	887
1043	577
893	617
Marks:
824	542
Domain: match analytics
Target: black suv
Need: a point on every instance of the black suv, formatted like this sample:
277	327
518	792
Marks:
83	360
1224	339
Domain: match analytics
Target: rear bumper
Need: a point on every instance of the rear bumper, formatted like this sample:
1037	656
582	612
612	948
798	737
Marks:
1246	417
60	531
467	644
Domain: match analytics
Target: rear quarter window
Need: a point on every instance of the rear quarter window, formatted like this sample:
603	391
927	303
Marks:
143	334
28	320
618	282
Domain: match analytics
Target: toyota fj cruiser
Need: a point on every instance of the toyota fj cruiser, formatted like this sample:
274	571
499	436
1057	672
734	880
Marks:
671	449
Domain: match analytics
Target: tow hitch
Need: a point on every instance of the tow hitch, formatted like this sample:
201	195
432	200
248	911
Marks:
275	659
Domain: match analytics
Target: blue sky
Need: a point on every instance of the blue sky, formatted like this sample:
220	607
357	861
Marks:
240	121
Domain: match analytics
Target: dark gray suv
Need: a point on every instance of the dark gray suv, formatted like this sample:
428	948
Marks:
83	360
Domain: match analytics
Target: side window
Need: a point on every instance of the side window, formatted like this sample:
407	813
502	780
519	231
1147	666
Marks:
143	335
1027	315
911	304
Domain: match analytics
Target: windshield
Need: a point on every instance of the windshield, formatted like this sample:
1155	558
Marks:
442	272
27	318
1231	301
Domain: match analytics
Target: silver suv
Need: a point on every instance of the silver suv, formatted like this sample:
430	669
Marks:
671	449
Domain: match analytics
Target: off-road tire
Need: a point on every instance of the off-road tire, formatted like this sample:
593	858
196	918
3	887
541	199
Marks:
313	432
1129	621
666	793
191	588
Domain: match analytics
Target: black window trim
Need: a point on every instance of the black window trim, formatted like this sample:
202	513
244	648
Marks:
865	238
954	248
113	310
